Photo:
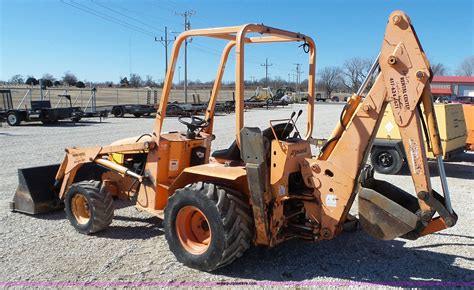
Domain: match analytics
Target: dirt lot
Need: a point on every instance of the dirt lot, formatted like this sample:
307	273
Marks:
47	248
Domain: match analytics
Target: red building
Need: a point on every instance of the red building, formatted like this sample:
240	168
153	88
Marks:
453	88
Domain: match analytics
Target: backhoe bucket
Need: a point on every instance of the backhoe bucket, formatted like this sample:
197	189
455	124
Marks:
35	193
386	211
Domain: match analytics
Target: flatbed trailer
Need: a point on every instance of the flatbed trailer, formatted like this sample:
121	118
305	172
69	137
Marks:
38	111
264	104
138	110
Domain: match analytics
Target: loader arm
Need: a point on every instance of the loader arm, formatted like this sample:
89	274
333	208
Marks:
403	82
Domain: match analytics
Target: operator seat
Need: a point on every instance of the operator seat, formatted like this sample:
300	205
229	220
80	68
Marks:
232	153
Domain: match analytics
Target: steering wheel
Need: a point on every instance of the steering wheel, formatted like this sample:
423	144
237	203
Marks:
193	123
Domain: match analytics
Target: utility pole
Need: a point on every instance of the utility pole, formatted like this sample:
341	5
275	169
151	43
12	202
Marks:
130	55
179	75
187	26
298	73
266	65
165	43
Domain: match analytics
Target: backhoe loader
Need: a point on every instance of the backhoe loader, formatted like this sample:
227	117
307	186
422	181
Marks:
266	187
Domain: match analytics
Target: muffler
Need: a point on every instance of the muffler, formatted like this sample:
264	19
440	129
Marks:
35	193
386	211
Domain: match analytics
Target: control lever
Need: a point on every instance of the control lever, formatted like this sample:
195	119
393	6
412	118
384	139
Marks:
297	133
291	119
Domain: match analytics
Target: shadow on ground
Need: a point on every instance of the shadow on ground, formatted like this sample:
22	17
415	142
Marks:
134	228
453	167
352	256
63	124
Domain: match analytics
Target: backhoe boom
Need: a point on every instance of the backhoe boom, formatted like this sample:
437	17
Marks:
402	83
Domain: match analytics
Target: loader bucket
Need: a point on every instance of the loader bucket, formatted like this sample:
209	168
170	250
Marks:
386	211
35	193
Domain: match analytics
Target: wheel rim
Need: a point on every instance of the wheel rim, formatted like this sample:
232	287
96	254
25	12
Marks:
385	159
80	209
193	230
12	119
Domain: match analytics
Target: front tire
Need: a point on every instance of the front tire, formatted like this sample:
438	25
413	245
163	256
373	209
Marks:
88	208
208	226
386	160
13	118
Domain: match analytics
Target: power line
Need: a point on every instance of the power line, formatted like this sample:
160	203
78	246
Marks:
187	26
126	16
165	41
198	17
298	73
266	65
168	20
107	17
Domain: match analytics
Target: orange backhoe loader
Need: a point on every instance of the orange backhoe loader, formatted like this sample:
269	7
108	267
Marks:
267	187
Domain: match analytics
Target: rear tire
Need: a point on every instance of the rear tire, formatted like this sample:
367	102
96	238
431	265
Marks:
118	112
224	229
13	118
88	209
386	160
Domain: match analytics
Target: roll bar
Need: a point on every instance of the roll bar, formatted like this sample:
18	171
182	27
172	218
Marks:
237	37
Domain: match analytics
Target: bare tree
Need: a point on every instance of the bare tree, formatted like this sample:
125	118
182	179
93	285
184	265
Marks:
329	79
149	82
69	79
124	82
354	71
467	66
49	77
135	80
31	81
80	85
17	80
46	83
438	69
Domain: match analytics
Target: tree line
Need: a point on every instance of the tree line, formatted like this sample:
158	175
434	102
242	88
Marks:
70	79
48	80
349	76
345	78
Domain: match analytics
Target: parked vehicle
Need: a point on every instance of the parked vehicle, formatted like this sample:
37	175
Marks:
388	154
267	187
464	100
38	111
469	117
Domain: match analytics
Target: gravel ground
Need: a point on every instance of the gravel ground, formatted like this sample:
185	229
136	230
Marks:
47	248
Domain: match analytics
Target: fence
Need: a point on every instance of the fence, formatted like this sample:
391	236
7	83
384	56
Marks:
111	96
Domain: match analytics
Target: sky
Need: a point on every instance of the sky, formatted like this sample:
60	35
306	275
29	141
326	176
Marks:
103	40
